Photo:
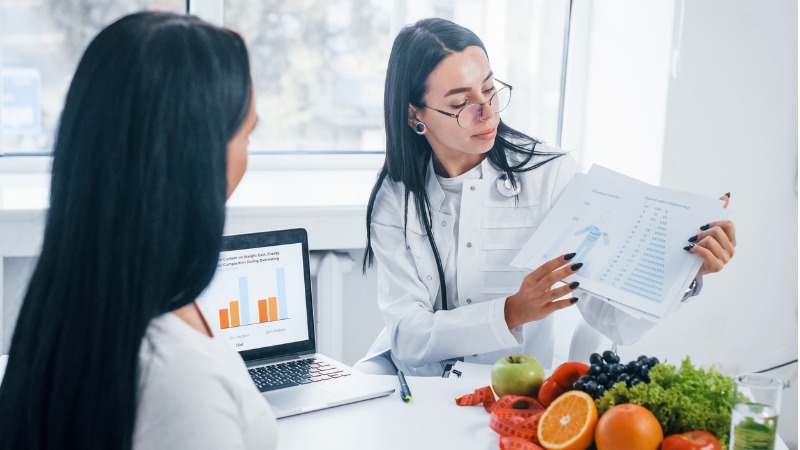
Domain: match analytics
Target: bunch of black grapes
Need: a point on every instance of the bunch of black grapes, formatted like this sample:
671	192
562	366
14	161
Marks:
605	371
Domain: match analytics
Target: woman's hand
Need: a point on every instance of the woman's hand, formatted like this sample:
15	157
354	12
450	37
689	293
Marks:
715	243
535	299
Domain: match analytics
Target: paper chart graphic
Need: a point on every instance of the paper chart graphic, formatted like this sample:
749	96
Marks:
630	237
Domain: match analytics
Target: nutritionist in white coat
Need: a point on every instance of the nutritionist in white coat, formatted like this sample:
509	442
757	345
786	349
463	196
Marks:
459	194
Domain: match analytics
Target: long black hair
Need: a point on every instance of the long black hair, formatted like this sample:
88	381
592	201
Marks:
137	208
416	52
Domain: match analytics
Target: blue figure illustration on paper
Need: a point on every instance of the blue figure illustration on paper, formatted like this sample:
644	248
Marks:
595	232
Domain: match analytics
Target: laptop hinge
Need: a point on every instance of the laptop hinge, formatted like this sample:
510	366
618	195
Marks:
279	359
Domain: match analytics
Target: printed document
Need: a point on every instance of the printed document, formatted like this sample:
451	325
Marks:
629	235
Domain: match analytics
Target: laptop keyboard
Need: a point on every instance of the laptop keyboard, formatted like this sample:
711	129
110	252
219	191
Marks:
294	373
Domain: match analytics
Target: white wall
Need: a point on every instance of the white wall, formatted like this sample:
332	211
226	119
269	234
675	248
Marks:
617	81
729	116
732	126
362	320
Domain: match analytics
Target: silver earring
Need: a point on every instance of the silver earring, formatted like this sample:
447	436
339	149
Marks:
420	128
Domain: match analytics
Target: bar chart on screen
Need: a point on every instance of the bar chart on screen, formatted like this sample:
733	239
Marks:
269	309
257	297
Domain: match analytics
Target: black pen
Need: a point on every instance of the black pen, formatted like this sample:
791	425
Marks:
405	393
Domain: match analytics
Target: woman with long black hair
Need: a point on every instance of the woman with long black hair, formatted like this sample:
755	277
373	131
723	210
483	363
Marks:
458	195
110	350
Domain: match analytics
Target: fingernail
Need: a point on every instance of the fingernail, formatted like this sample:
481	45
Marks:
693	238
573	300
705	227
573	285
728	194
569	256
688	247
576	266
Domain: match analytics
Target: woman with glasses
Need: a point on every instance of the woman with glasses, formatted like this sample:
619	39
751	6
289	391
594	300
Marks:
459	194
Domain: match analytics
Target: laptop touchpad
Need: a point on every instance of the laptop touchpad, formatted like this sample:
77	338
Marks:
293	400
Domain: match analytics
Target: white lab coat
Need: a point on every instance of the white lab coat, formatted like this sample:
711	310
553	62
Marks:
492	230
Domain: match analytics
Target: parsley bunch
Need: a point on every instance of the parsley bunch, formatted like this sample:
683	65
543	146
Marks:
682	399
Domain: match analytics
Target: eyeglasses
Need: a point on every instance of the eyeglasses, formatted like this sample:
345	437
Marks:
472	113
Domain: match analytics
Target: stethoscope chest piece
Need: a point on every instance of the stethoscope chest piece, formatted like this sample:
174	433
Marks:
507	187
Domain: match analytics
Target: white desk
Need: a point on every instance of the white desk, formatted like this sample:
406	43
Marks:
431	421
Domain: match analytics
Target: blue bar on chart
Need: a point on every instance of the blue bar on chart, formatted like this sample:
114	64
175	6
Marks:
244	309
281	282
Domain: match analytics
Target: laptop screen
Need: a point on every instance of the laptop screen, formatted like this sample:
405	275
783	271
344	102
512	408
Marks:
259	299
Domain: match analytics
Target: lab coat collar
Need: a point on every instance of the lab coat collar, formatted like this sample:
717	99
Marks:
433	188
435	191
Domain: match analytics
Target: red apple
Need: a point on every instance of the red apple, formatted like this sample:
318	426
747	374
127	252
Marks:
517	375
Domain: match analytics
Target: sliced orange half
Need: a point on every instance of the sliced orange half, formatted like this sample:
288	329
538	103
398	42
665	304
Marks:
569	422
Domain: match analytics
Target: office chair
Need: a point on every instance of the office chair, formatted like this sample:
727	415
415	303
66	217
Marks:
586	340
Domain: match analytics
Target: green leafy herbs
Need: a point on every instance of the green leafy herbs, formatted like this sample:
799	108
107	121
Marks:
682	399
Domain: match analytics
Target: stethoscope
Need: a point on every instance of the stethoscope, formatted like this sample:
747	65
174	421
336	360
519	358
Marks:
507	187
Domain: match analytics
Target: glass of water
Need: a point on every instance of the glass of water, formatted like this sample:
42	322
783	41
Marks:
754	419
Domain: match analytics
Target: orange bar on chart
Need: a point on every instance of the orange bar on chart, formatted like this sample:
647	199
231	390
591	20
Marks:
223	319
273	309
262	311
235	314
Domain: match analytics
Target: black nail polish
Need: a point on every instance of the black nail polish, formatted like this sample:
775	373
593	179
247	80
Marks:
574	284
576	266
573	300
693	238
705	227
688	247
728	194
569	256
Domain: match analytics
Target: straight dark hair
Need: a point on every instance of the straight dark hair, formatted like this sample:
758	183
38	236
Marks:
137	207
416	52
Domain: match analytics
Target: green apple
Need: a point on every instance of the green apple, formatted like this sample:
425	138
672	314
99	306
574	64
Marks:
517	375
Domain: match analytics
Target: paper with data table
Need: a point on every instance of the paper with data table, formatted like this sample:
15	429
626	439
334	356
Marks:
629	235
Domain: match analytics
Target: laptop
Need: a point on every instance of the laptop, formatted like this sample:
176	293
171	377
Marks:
260	301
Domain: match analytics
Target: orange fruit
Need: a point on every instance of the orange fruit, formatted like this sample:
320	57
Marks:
568	423
628	427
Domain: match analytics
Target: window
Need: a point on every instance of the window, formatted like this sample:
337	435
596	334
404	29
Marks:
41	42
318	65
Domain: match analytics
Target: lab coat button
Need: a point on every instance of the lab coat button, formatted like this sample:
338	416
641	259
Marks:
472	188
469	300
469	244
430	277
444	223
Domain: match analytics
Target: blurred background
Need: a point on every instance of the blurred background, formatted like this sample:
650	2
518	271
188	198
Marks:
694	95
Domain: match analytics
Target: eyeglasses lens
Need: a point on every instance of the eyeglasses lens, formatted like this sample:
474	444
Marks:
471	115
